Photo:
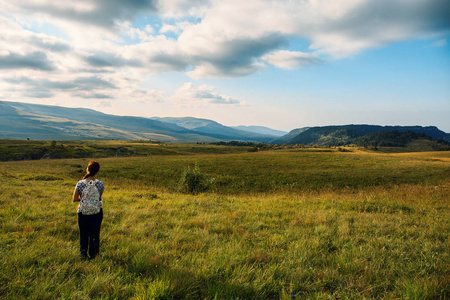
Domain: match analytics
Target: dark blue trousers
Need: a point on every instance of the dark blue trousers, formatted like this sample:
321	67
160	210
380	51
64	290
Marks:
89	226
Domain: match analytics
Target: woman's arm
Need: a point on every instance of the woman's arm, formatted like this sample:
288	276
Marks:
76	196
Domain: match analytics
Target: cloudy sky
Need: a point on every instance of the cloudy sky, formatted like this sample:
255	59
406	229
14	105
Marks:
284	64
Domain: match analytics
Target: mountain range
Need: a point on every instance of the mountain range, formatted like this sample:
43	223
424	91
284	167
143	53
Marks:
209	127
45	122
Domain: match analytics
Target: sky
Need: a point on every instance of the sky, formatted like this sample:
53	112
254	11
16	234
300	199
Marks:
283	64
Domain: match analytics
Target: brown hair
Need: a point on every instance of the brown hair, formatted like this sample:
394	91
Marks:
93	168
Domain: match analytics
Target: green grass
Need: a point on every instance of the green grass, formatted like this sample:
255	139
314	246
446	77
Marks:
326	224
12	150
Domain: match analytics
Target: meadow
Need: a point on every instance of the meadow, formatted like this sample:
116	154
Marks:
298	223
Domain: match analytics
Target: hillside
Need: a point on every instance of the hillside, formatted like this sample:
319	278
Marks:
261	130
292	134
411	140
349	134
44	122
215	129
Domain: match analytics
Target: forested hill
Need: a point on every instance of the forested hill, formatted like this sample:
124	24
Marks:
352	134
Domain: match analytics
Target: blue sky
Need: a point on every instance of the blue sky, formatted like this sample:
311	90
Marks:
282	64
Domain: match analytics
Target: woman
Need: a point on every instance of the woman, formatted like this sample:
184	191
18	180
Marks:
88	192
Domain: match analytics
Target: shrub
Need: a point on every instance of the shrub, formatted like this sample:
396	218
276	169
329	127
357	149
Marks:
193	181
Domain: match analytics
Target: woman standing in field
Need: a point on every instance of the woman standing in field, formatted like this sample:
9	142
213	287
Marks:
88	192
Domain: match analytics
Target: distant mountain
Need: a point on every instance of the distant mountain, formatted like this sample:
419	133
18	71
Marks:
187	122
261	130
44	122
216	130
347	134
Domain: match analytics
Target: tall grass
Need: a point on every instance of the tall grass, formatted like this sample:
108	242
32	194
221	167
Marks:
33	150
355	225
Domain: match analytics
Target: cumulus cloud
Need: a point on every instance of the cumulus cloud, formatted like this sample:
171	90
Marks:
229	43
84	48
158	54
235	38
48	43
21	48
176	28
228	57
83	87
92	82
38	94
34	60
93	95
105	59
181	8
146	96
291	59
190	95
365	24
126	29
335	29
104	13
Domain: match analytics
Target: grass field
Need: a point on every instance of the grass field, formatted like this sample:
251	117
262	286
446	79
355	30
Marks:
304	223
11	150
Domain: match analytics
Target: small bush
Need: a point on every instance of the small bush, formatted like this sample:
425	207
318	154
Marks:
193	181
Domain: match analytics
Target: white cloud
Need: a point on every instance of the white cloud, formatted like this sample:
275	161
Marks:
47	43
176	28
125	29
234	35
144	96
291	59
101	13
229	38
35	60
190	95
439	43
15	39
158	54
182	8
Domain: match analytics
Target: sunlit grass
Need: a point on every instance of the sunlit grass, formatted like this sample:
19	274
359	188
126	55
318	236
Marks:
382	231
32	150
